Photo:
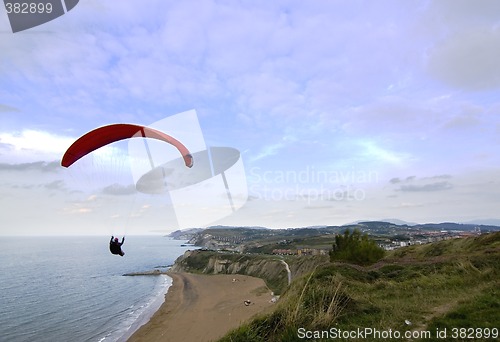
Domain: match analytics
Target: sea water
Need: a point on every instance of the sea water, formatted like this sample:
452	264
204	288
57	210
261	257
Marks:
73	288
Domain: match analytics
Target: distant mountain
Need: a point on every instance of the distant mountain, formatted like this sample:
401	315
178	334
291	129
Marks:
386	226
487	222
184	234
314	227
457	226
234	227
353	223
388	220
399	222
382	225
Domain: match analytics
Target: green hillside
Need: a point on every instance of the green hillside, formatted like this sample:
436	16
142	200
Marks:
414	290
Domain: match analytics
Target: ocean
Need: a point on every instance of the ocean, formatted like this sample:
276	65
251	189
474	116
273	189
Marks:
73	288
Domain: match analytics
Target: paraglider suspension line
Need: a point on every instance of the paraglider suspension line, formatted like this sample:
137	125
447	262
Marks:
147	149
229	197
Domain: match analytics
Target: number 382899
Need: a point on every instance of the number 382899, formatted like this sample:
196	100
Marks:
28	8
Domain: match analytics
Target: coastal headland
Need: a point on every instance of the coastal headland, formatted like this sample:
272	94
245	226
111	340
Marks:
205	307
436	280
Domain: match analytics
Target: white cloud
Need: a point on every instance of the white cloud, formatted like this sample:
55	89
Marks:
32	145
403	87
463	14
267	151
372	151
6	109
468	60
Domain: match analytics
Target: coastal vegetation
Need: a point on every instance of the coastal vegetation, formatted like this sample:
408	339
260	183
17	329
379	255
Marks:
426	288
356	248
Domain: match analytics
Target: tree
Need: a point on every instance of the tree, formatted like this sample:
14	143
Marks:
355	248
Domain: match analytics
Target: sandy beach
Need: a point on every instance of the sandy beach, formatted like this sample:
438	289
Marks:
201	308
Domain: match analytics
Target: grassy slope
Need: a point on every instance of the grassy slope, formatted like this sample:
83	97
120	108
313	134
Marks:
447	284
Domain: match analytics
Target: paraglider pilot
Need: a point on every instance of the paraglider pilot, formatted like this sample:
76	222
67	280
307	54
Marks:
115	247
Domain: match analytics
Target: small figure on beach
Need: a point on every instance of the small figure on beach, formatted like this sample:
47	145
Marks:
115	247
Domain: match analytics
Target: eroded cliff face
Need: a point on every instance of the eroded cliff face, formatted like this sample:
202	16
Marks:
272	270
178	265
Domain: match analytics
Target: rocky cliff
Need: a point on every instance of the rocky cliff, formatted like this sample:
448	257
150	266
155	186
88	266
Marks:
271	269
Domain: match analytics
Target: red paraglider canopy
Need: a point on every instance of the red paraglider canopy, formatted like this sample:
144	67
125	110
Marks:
105	135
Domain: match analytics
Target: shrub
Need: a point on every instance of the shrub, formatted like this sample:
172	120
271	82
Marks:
356	248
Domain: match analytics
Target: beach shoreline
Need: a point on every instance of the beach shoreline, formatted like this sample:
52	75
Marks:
151	309
201	307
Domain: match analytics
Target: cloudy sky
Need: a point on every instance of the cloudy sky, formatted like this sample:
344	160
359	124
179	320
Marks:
342	110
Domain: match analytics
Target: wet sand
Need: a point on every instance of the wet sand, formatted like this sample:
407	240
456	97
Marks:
204	307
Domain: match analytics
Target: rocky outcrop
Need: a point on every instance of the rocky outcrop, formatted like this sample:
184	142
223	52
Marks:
178	265
186	234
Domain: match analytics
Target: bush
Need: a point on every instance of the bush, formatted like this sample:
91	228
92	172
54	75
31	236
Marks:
356	248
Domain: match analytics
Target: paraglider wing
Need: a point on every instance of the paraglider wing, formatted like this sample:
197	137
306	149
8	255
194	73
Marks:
105	135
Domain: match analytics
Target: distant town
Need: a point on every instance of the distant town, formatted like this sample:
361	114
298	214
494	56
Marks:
318	240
